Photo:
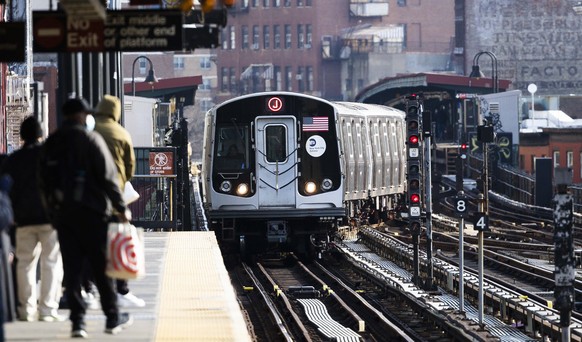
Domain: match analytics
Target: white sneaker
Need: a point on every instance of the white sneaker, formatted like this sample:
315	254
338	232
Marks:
90	300
51	317
128	300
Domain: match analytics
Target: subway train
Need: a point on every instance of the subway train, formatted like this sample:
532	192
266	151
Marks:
281	171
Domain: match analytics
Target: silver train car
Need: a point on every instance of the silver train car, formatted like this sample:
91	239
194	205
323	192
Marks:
282	170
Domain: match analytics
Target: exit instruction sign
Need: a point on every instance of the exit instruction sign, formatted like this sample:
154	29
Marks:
125	30
55	32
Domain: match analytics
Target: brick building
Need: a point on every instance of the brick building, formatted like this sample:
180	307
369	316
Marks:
330	48
563	145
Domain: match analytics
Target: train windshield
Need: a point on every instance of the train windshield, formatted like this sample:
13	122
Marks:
276	142
232	147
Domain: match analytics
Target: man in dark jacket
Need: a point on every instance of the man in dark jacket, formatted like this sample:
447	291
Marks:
80	187
33	227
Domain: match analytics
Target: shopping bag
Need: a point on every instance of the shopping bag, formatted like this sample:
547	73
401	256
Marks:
125	252
129	193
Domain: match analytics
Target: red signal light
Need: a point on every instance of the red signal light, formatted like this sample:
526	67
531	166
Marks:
413	139
464	146
415	198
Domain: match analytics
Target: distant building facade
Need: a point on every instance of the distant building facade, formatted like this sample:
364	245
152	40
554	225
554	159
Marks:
563	145
330	48
534	42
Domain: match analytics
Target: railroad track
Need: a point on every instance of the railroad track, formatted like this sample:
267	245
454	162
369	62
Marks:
287	303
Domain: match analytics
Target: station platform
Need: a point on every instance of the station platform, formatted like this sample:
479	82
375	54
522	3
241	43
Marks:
188	295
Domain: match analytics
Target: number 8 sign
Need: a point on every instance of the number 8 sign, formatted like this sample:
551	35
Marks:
461	206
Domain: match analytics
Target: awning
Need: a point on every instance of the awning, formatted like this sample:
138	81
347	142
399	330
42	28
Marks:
165	89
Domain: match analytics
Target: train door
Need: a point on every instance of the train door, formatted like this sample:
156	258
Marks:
276	145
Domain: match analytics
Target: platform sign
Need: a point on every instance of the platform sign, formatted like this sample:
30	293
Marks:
123	30
12	39
143	30
162	163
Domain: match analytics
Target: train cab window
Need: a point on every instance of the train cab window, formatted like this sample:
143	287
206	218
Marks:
232	148
275	141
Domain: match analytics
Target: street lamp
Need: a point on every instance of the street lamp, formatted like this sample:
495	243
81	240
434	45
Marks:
151	78
476	72
532	88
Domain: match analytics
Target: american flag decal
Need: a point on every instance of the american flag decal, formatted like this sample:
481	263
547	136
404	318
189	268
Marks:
315	124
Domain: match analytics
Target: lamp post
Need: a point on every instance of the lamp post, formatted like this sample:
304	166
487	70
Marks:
476	72
532	88
150	78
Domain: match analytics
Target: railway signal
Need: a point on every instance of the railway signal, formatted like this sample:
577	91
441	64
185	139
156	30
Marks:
463	149
414	161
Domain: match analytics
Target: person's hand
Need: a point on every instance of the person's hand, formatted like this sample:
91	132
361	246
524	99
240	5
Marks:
124	217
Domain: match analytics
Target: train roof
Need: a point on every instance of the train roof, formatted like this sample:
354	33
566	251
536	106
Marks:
342	107
365	109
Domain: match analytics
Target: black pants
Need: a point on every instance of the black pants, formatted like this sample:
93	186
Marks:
83	238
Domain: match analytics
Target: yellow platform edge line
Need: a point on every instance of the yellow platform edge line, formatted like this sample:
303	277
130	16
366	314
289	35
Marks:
197	300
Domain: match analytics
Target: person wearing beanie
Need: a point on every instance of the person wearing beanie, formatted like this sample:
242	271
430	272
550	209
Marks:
118	139
33	227
80	188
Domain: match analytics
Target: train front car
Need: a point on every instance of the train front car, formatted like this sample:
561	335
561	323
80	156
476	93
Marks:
273	178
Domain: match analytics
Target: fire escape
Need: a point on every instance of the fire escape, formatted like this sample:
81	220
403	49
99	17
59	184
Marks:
17	108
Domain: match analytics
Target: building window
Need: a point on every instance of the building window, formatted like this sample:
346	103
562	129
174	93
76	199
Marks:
224	79
276	3
255	37
205	63
206	84
299	3
205	104
288	78
245	37
300	37
300	79
309	85
232	38
266	3
142	66
401	3
287	3
266	37
178	62
287	36
277	80
308	36
232	86
224	39
569	159
255	3
308	3
556	159
277	37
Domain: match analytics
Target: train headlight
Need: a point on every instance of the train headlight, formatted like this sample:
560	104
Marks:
242	189
310	187
225	186
326	184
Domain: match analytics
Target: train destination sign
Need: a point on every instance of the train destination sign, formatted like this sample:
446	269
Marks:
126	30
